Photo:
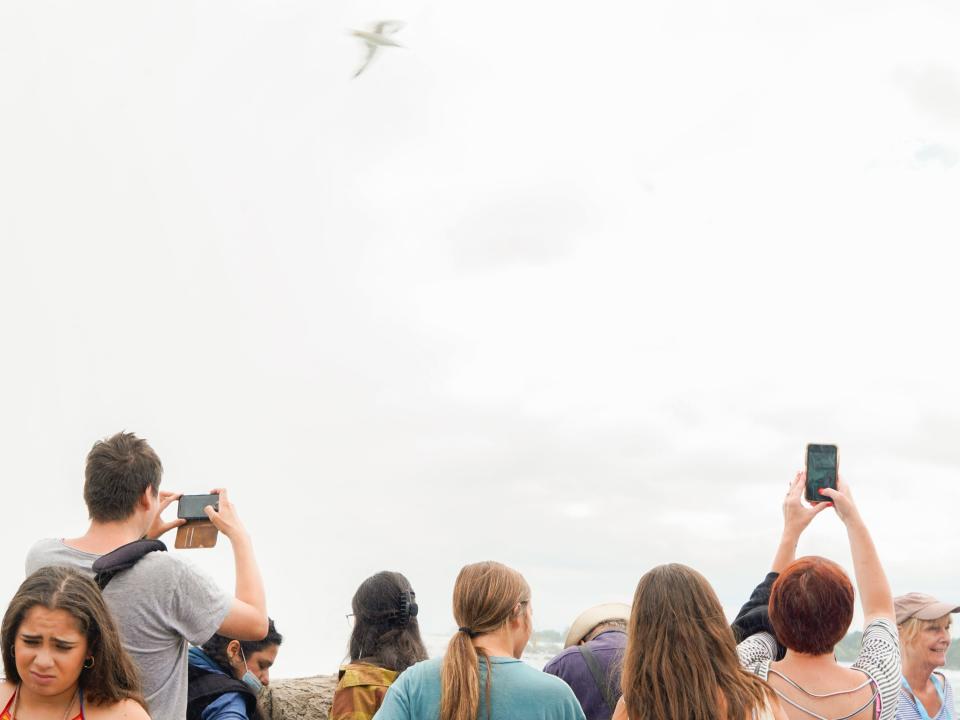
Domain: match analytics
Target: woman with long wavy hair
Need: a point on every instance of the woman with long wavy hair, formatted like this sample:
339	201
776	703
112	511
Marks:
62	654
681	658
481	676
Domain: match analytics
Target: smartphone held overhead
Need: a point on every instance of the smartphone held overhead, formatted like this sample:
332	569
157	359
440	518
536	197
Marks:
198	531
821	471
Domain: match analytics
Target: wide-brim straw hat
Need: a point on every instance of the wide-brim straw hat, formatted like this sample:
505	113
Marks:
589	619
920	606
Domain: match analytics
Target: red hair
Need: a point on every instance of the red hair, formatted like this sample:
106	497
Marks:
811	605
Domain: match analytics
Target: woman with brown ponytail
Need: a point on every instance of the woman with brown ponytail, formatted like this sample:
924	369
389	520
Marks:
481	677
681	659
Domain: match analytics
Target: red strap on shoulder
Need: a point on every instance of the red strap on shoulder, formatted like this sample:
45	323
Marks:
5	713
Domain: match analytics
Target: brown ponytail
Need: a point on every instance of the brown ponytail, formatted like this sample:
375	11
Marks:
485	596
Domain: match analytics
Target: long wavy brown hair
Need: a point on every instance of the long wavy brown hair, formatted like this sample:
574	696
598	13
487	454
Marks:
681	658
485	596
113	676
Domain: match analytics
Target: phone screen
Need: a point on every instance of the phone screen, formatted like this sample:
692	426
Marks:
821	471
191	506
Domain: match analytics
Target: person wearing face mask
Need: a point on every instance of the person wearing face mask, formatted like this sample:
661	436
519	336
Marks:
226	676
923	623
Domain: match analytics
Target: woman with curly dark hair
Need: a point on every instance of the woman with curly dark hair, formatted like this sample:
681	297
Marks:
62	653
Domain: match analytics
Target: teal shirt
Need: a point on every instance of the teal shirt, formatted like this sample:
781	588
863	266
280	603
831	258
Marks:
517	692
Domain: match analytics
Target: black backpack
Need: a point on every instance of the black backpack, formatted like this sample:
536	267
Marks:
205	686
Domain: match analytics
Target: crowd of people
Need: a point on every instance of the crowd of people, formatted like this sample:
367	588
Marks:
110	625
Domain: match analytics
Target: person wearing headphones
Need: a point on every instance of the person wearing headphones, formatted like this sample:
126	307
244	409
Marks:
384	642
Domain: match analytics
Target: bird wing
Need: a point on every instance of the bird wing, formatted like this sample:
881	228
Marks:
371	51
388	27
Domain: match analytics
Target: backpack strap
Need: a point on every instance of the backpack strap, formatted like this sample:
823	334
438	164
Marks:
205	686
124	557
593	665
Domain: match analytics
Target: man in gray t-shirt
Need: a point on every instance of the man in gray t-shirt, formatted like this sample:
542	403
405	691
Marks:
162	603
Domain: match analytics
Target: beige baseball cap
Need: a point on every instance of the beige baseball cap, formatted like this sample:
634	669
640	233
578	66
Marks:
589	619
922	607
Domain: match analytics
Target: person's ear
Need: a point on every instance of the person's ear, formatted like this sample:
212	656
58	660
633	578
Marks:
233	650
149	498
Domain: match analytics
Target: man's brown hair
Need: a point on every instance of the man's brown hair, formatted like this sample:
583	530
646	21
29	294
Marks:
119	470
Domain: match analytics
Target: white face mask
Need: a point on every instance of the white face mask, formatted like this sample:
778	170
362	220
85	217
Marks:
249	679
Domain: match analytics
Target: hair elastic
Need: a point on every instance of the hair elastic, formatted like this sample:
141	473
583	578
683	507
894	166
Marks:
467	631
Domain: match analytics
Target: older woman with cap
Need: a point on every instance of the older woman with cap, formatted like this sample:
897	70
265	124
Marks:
592	658
924	626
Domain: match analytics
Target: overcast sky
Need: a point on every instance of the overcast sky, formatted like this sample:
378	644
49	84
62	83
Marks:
565	285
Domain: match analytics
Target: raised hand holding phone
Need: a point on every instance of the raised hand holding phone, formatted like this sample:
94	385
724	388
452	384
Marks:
158	527
224	516
842	501
796	517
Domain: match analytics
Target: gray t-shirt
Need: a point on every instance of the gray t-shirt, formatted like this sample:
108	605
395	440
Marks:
160	604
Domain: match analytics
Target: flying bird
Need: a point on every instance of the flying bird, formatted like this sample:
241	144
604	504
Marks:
380	36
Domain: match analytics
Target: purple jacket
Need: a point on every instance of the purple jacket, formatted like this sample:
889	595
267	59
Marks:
569	665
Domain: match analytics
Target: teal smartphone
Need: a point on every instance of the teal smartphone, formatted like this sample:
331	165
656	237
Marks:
821	471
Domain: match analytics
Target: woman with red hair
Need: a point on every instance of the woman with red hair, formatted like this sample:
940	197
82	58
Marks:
804	608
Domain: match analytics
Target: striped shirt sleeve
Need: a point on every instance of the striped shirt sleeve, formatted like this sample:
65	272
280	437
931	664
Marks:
880	659
757	650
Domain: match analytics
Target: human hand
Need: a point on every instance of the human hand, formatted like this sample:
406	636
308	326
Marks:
842	500
158	527
225	519
796	515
